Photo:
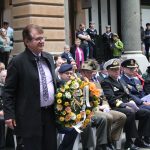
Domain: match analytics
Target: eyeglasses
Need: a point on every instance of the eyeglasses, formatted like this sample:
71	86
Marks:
39	39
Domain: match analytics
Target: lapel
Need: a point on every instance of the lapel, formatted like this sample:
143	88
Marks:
115	84
128	81
49	60
124	86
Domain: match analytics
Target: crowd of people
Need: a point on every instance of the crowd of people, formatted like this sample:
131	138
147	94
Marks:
27	96
6	42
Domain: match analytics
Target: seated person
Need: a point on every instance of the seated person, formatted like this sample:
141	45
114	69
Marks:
115	120
67	55
119	98
134	84
65	72
102	73
58	63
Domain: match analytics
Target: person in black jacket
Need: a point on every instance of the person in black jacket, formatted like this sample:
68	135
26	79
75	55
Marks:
147	40
93	34
107	41
29	93
3	74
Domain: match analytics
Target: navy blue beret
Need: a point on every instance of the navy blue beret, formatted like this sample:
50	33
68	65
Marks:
64	68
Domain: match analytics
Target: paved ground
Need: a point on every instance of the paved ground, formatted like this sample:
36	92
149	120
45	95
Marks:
80	146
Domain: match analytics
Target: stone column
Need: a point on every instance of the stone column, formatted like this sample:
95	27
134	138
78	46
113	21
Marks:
47	13
130	25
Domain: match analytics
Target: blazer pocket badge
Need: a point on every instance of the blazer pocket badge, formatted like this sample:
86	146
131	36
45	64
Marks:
116	89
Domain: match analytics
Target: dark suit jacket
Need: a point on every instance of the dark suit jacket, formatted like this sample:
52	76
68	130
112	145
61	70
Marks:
22	93
115	90
65	55
134	86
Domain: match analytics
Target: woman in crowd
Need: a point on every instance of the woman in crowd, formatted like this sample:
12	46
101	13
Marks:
5	47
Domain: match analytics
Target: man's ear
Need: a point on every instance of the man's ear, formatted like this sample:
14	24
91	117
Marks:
26	41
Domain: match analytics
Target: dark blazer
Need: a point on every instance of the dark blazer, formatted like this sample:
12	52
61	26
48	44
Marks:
66	56
134	84
115	90
22	93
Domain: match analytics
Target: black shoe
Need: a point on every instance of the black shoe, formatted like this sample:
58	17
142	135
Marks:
101	147
141	143
111	146
131	146
147	140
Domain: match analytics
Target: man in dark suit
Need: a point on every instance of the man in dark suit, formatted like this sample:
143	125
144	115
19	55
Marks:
29	93
117	93
133	83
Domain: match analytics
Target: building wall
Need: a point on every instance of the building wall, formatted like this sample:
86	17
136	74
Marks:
7	14
47	13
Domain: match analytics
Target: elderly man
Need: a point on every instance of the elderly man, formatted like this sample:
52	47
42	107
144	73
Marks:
29	93
64	73
115	120
118	95
135	87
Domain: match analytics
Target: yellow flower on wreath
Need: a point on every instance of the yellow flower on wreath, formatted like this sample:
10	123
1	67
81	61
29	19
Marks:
96	103
79	116
64	112
59	95
66	87
87	121
59	101
88	111
66	103
61	119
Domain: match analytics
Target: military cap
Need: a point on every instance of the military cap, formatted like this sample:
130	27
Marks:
90	65
112	63
64	68
129	63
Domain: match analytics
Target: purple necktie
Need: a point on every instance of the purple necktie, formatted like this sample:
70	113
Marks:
43	78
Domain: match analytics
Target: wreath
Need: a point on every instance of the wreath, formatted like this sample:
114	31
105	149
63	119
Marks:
75	103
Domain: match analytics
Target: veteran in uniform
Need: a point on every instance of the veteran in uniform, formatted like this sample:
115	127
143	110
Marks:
117	93
115	120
